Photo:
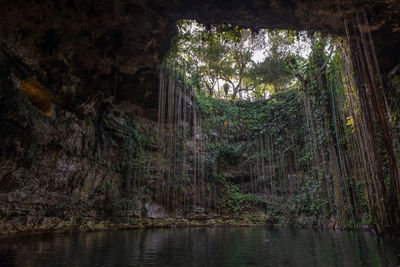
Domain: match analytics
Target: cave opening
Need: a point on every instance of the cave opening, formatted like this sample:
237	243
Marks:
270	117
235	101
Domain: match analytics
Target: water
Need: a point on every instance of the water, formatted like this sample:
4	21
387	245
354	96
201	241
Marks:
202	247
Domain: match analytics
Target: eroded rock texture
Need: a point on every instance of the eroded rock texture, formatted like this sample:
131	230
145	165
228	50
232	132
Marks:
99	61
57	169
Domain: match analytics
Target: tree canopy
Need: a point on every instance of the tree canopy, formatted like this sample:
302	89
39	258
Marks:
226	61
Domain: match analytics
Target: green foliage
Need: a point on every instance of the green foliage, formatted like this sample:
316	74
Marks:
277	116
227	153
255	219
298	120
221	59
275	213
133	142
308	201
233	200
273	71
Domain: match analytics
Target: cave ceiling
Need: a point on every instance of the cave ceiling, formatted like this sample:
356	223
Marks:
111	49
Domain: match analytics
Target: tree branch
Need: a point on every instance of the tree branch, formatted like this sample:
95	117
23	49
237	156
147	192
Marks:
326	62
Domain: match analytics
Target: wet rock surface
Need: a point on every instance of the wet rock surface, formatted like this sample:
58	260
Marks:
57	170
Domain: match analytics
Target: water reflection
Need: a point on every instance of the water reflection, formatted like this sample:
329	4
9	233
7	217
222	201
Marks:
202	247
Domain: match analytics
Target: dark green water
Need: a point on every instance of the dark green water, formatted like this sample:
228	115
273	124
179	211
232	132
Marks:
202	247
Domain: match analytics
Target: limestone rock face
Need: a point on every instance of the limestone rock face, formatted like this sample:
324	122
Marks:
155	211
61	169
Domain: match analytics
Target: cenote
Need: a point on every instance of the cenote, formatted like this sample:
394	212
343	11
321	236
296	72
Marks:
200	133
197	246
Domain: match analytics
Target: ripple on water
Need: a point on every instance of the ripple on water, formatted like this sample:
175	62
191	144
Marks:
202	247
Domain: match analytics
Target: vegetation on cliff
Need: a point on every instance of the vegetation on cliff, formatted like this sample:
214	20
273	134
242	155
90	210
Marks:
302	141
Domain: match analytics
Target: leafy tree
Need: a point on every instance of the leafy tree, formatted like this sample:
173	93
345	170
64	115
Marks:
219	55
219	59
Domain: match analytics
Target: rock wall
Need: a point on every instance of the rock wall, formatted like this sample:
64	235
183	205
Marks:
98	59
64	169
